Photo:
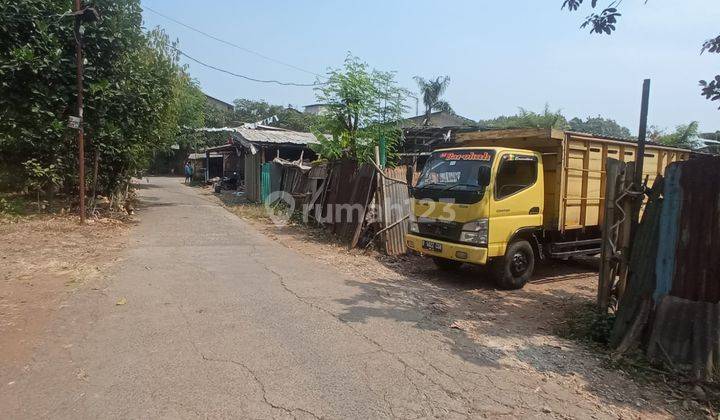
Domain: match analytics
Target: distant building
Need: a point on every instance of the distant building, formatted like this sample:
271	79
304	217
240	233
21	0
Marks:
710	136
710	142
438	119
316	109
291	108
220	105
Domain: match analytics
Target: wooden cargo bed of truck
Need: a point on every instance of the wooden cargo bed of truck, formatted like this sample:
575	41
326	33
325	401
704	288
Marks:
575	168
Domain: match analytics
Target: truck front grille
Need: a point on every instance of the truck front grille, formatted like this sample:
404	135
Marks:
449	231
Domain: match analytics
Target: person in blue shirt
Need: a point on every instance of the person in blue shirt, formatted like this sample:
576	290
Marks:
188	173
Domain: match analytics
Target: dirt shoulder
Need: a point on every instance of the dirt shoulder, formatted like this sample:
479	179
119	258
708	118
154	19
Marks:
44	260
518	330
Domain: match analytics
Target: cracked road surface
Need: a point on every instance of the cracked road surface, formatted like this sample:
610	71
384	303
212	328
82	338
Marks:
221	321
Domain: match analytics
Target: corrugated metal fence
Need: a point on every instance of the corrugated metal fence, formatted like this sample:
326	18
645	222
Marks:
673	287
339	194
348	192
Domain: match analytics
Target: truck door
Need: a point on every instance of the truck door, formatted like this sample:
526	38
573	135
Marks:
517	199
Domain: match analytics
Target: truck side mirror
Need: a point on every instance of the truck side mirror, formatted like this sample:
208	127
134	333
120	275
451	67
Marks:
484	176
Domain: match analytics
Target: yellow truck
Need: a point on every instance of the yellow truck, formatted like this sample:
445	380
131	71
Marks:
508	198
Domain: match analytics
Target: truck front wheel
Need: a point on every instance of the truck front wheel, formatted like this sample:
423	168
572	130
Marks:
516	267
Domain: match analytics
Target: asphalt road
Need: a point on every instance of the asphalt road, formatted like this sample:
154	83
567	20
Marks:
221	321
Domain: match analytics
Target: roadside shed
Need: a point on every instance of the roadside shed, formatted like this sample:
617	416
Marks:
252	145
262	145
222	161
199	163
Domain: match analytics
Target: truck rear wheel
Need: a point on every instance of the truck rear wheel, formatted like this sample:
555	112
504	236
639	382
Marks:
446	265
514	270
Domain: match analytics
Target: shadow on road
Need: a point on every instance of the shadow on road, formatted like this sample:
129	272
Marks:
510	332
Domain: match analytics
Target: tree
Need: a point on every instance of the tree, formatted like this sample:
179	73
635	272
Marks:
686	135
131	86
216	117
605	22
431	91
600	126
250	111
292	119
654	133
529	119
364	105
190	102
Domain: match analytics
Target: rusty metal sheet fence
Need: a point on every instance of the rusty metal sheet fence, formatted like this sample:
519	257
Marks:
294	180
349	189
697	271
672	300
338	195
303	184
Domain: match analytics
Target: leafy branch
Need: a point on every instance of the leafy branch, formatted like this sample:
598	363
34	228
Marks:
711	89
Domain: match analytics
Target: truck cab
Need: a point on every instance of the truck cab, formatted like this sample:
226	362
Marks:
480	205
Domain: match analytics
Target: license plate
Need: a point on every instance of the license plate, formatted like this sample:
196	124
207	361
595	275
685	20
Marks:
432	246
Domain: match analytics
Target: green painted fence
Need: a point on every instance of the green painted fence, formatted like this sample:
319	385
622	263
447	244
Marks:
265	182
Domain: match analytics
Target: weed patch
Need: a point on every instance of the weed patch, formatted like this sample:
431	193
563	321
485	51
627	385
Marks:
11	206
584	323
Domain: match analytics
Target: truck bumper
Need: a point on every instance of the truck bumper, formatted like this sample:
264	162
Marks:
450	250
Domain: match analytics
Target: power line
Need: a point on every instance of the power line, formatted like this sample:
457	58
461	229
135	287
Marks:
233	44
252	79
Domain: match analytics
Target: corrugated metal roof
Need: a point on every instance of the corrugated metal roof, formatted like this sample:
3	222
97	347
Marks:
263	134
222	148
277	137
196	156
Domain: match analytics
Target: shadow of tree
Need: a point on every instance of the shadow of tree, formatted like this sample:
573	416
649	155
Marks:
511	333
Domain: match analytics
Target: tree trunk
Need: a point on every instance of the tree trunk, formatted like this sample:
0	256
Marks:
95	180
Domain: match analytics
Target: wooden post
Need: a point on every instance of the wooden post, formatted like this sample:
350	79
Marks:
624	231
640	156
606	277
382	210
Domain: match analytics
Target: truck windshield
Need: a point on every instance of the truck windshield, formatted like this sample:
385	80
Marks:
456	170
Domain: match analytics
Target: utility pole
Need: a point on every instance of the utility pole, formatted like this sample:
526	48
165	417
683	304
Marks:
80	131
640	156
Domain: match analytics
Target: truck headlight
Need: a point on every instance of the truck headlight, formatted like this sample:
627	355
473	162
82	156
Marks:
414	228
475	232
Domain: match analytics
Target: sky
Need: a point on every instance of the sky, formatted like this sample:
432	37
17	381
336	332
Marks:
500	55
